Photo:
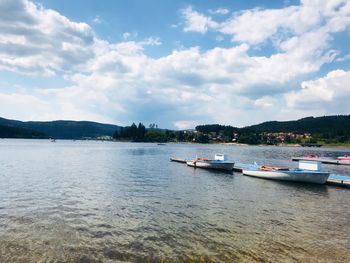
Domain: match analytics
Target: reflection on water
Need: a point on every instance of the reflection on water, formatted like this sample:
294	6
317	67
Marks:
106	202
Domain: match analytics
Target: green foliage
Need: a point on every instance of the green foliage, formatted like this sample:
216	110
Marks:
155	136
202	138
326	129
141	131
133	132
313	125
217	132
14	132
250	138
65	129
216	128
323	130
180	136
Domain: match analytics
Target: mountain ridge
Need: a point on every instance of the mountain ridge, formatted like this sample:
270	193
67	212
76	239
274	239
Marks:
337	126
16	132
64	129
310	124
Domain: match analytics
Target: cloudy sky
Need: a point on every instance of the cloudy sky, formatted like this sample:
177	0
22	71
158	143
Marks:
174	63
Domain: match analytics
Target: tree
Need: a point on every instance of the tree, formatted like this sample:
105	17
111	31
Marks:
141	131
119	134
180	136
116	135
155	136
152	126
202	138
133	131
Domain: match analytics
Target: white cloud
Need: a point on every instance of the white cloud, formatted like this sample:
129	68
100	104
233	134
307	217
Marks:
34	40
255	26
129	35
196	22
183	125
22	106
126	35
343	58
97	20
119	83
219	11
330	93
151	41
265	101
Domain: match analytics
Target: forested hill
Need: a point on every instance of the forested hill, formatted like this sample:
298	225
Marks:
323	125
322	130
64	129
15	132
328	129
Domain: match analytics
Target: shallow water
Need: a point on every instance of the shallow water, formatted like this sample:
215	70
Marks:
88	201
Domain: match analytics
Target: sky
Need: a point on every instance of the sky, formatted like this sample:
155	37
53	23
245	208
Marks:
174	63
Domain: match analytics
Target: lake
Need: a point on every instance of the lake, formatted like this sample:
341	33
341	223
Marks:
90	201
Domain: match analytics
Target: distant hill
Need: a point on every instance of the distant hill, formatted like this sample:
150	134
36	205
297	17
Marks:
325	124
63	129
322	130
15	132
330	129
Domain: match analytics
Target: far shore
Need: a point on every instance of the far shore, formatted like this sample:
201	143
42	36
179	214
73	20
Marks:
337	145
333	145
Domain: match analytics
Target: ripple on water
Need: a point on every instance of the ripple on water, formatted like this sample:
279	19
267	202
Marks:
125	202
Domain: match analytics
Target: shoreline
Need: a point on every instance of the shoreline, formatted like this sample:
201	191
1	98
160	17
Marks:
345	145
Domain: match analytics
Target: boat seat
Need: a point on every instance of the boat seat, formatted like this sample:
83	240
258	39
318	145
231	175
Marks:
272	168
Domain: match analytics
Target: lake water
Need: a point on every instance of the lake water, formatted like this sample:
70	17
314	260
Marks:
88	201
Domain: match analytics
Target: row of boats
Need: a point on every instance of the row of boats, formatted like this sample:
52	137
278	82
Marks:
220	162
309	170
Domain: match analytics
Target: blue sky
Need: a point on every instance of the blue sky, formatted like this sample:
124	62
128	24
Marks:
174	63
111	19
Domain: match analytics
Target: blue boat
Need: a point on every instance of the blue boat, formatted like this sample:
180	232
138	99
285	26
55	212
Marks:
308	172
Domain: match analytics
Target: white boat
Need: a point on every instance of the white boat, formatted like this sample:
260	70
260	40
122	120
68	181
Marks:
308	172
344	162
329	160
220	162
344	159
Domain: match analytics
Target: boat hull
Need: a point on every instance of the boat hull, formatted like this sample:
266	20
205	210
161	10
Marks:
292	175
216	165
344	161
326	160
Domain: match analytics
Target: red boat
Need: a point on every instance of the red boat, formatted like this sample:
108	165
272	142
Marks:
311	156
346	157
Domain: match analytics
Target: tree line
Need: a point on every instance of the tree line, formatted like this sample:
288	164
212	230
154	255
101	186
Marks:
323	130
139	133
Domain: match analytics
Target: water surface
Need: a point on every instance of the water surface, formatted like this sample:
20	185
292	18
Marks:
88	201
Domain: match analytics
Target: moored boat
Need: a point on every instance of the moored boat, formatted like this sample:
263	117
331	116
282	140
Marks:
308	172
220	162
345	159
312	156
328	160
